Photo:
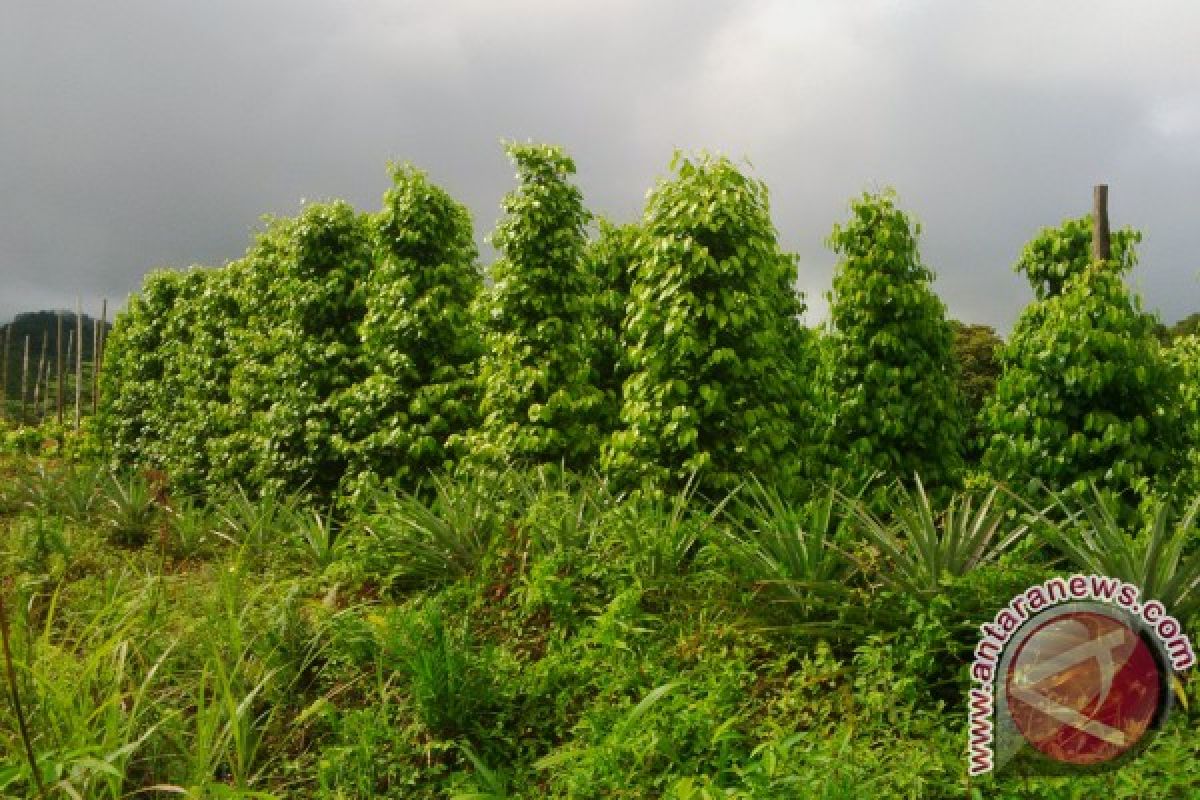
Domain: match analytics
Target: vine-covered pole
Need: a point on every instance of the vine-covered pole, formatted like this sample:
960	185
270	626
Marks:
78	359
1100	238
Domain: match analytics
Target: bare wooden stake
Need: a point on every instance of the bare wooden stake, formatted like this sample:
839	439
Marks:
70	354
1100	239
24	379
78	360
4	375
39	377
58	369
46	391
98	355
95	352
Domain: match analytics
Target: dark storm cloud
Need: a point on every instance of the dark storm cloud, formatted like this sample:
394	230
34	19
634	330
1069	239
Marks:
139	134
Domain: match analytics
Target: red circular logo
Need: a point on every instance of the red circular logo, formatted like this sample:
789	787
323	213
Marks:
1083	688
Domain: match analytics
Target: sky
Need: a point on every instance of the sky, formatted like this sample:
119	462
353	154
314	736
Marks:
141	134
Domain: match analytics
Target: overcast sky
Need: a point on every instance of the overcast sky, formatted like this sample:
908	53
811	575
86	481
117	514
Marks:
143	133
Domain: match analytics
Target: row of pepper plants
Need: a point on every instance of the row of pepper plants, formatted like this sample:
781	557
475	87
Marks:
348	351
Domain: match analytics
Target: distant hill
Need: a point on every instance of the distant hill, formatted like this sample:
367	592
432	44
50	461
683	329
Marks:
35	325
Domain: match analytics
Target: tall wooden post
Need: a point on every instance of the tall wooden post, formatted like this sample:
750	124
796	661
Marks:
4	375
41	370
24	379
70	357
78	359
95	352
46	380
46	389
58	369
1100	238
98	354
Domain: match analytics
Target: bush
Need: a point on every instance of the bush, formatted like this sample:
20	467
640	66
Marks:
410	542
305	282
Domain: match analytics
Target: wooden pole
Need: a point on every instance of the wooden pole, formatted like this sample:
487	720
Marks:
1100	238
41	371
58	362
78	359
4	375
95	353
70	355
46	390
24	379
98	355
46	380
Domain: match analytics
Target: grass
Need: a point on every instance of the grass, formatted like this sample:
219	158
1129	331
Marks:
534	636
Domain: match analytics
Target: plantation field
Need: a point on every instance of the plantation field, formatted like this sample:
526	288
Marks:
355	519
534	635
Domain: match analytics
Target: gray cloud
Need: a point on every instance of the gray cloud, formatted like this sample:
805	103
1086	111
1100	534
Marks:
148	133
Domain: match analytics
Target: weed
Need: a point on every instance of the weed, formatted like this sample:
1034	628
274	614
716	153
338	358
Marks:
318	537
192	529
448	680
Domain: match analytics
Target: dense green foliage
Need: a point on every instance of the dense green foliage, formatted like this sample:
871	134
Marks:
131	418
976	349
1184	355
198	361
540	399
349	351
203	622
303	299
1086	391
534	636
893	401
1056	256
712	328
610	260
338	353
419	343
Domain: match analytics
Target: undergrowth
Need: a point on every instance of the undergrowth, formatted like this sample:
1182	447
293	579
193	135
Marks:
540	636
